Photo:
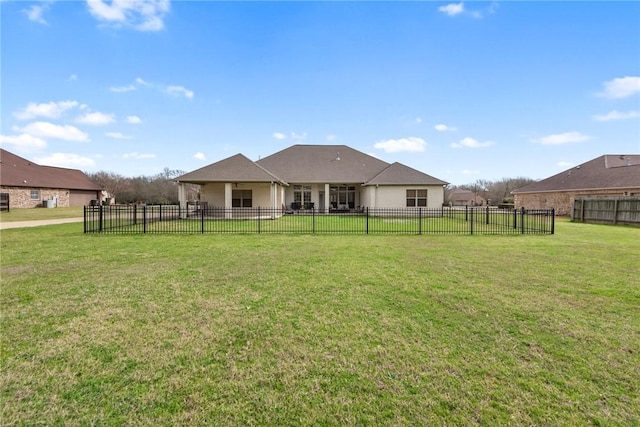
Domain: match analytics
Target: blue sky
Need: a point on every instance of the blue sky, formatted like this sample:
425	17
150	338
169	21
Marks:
459	90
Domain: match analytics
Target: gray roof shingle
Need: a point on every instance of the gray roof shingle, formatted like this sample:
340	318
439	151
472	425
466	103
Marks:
605	172
399	174
16	171
323	164
236	168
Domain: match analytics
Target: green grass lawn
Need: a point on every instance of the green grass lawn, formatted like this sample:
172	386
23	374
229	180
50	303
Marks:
40	213
320	330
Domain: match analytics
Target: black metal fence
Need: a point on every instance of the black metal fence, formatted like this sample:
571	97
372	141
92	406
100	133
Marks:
4	202
173	219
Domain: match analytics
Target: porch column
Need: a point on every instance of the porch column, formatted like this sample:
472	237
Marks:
228	188
182	199
327	198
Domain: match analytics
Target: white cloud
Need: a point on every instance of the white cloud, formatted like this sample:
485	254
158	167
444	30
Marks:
199	156
49	130
617	115
471	143
180	90
134	120
444	128
621	87
411	144
35	12
141	15
66	160
117	135
51	110
561	138
452	9
564	164
418	120
23	141
97	119
142	82
136	155
280	136
120	89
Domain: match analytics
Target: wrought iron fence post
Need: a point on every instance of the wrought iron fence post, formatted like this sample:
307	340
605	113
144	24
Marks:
144	219
84	214
515	219
259	219
553	221
472	220
367	222
202	221
313	220
160	212
487	214
419	221
100	218
466	212
522	221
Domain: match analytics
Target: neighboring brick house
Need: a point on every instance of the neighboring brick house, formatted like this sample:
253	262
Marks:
461	197
30	185
608	175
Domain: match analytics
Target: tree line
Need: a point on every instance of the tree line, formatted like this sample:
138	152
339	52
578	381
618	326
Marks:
156	189
492	192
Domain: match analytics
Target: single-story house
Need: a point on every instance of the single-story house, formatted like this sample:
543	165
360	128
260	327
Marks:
31	185
328	178
607	175
461	197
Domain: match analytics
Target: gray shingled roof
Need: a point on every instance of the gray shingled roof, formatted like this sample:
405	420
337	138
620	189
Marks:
323	164
16	171
604	172
236	168
399	174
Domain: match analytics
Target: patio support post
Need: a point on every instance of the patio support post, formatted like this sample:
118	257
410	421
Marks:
327	198
227	200
182	200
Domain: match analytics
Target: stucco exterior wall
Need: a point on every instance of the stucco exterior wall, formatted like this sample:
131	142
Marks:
387	196
213	193
562	202
20	197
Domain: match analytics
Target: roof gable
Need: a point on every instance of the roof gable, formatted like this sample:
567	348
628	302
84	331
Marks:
323	164
608	171
16	171
236	168
399	174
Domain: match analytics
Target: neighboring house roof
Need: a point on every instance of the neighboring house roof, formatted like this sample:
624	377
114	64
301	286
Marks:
399	174
16	171
236	168
323	164
605	172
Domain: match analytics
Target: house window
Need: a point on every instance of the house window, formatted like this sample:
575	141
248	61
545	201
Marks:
416	198
241	198
35	194
342	196
302	194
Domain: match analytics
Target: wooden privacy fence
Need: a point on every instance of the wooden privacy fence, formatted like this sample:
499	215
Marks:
607	210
